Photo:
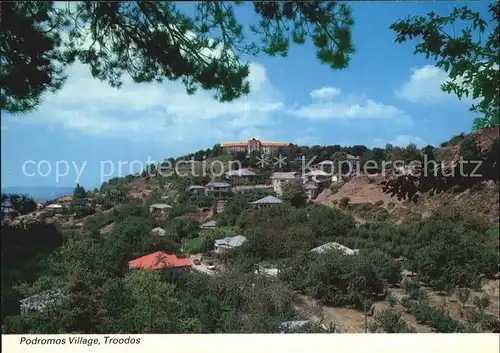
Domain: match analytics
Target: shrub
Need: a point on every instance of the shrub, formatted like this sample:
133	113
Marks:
379	203
344	202
391	205
392	300
391	321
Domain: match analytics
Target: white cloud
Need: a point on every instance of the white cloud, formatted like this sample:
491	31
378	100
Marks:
334	105
325	93
402	140
424	86
161	112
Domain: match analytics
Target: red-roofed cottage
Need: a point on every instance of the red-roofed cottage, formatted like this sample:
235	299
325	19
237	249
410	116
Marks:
160	260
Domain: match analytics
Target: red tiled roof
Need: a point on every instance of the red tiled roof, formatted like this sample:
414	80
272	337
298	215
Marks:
159	260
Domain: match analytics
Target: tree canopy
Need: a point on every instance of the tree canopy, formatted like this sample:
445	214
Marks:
155	41
469	55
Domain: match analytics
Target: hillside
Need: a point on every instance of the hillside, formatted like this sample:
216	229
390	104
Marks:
480	200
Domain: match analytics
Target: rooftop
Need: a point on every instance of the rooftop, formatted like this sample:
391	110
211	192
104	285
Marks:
194	187
159	231
41	300
209	224
335	246
240	172
232	242
284	175
160	206
159	260
267	200
217	184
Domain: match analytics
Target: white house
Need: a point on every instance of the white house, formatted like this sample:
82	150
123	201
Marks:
266	202
222	245
335	246
243	173
161	208
159	231
209	225
278	179
40	301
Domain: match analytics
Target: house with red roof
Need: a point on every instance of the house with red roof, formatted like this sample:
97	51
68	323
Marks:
160	260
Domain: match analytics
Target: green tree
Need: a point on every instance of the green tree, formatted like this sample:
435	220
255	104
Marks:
294	193
469	55
154	41
79	192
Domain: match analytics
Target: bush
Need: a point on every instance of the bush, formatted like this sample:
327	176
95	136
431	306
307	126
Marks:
379	203
391	205
391	321
392	300
436	318
344	202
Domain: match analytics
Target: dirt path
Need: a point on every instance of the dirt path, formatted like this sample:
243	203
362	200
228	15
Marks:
346	320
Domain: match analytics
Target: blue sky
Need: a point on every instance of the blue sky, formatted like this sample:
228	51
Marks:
387	95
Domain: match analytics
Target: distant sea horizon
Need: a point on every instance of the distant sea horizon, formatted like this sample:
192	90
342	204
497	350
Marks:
40	193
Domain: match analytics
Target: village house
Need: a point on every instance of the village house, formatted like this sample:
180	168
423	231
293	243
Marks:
159	231
243	173
209	225
218	189
55	208
353	161
312	189
222	245
252	145
8	212
41	301
266	202
160	208
160	260
335	246
316	175
278	179
266	269
196	190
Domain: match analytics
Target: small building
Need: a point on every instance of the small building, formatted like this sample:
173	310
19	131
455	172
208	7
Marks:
267	270
196	190
266	202
79	225
160	208
218	189
243	173
65	199
222	245
55	207
159	231
317	175
335	246
8	212
41	301
312	189
160	260
280	178
353	161
209	225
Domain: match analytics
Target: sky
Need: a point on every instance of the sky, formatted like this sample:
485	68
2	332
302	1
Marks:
386	95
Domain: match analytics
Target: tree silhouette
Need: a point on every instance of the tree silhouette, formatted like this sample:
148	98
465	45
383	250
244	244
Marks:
154	41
